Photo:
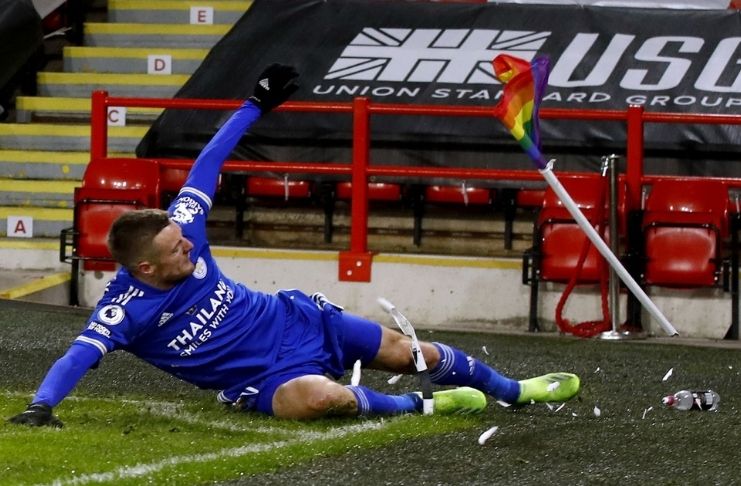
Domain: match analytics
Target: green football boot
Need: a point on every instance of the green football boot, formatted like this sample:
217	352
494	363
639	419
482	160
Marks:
463	400
553	387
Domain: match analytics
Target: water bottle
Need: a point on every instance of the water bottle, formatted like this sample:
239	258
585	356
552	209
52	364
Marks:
706	400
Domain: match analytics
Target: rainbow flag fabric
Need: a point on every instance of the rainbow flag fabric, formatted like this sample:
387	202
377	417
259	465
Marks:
524	86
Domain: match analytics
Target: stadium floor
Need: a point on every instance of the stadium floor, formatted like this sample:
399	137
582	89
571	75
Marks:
616	432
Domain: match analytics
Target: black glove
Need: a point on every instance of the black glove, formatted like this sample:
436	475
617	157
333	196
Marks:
274	86
37	415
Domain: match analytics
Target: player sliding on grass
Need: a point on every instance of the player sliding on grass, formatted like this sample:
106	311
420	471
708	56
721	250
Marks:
171	306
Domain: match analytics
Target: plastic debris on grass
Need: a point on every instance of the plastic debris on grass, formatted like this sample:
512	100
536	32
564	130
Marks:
504	404
597	411
483	348
668	374
355	378
394	379
486	435
553	408
645	412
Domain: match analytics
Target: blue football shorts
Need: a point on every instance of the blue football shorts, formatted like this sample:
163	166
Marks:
358	339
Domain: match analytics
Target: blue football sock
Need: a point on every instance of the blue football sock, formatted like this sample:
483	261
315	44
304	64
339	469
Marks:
371	402
457	368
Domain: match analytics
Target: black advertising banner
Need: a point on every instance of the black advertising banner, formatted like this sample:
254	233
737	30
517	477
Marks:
20	36
440	53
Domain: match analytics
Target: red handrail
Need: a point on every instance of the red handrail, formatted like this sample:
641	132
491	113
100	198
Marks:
355	263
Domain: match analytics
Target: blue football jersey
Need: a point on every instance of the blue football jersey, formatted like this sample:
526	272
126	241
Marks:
204	330
209	330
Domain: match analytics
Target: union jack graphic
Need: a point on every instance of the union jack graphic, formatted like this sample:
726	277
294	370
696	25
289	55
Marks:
458	56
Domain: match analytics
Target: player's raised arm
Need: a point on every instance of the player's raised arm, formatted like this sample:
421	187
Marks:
273	87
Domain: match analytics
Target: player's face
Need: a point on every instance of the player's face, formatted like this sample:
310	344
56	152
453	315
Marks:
171	255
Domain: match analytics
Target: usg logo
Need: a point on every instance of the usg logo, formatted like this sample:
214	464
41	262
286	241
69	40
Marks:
458	56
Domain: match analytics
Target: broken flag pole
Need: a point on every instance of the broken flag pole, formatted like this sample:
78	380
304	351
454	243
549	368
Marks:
524	86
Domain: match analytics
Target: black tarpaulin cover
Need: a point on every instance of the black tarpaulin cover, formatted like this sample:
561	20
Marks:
440	53
20	37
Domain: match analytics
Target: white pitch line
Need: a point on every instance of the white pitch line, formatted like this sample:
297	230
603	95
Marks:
173	410
139	470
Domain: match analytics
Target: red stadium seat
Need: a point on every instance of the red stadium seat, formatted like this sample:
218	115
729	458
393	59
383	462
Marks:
462	195
584	190
560	248
558	241
681	256
530	198
271	189
280	188
109	187
171	180
377	191
683	226
125	173
561	239
342	191
95	210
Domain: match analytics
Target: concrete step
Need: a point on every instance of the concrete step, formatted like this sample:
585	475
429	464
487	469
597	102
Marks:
129	59
50	165
41	286
67	138
42	108
176	12
47	222
81	85
37	193
153	35
37	164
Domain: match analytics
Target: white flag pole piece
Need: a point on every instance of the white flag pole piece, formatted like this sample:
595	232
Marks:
419	359
604	250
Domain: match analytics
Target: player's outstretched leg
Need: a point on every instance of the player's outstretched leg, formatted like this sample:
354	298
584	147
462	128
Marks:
457	368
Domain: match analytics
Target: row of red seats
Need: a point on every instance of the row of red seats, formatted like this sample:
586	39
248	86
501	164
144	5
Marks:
116	185
417	197
683	224
683	227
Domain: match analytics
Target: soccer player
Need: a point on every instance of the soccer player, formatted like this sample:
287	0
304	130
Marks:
171	305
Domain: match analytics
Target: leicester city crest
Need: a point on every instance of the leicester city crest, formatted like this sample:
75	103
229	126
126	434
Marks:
201	269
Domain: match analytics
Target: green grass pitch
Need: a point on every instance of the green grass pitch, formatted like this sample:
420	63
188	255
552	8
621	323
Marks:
128	423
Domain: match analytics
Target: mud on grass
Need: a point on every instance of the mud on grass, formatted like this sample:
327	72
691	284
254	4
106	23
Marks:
633	440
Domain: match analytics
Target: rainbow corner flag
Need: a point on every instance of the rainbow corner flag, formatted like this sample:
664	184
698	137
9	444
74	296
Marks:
524	86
